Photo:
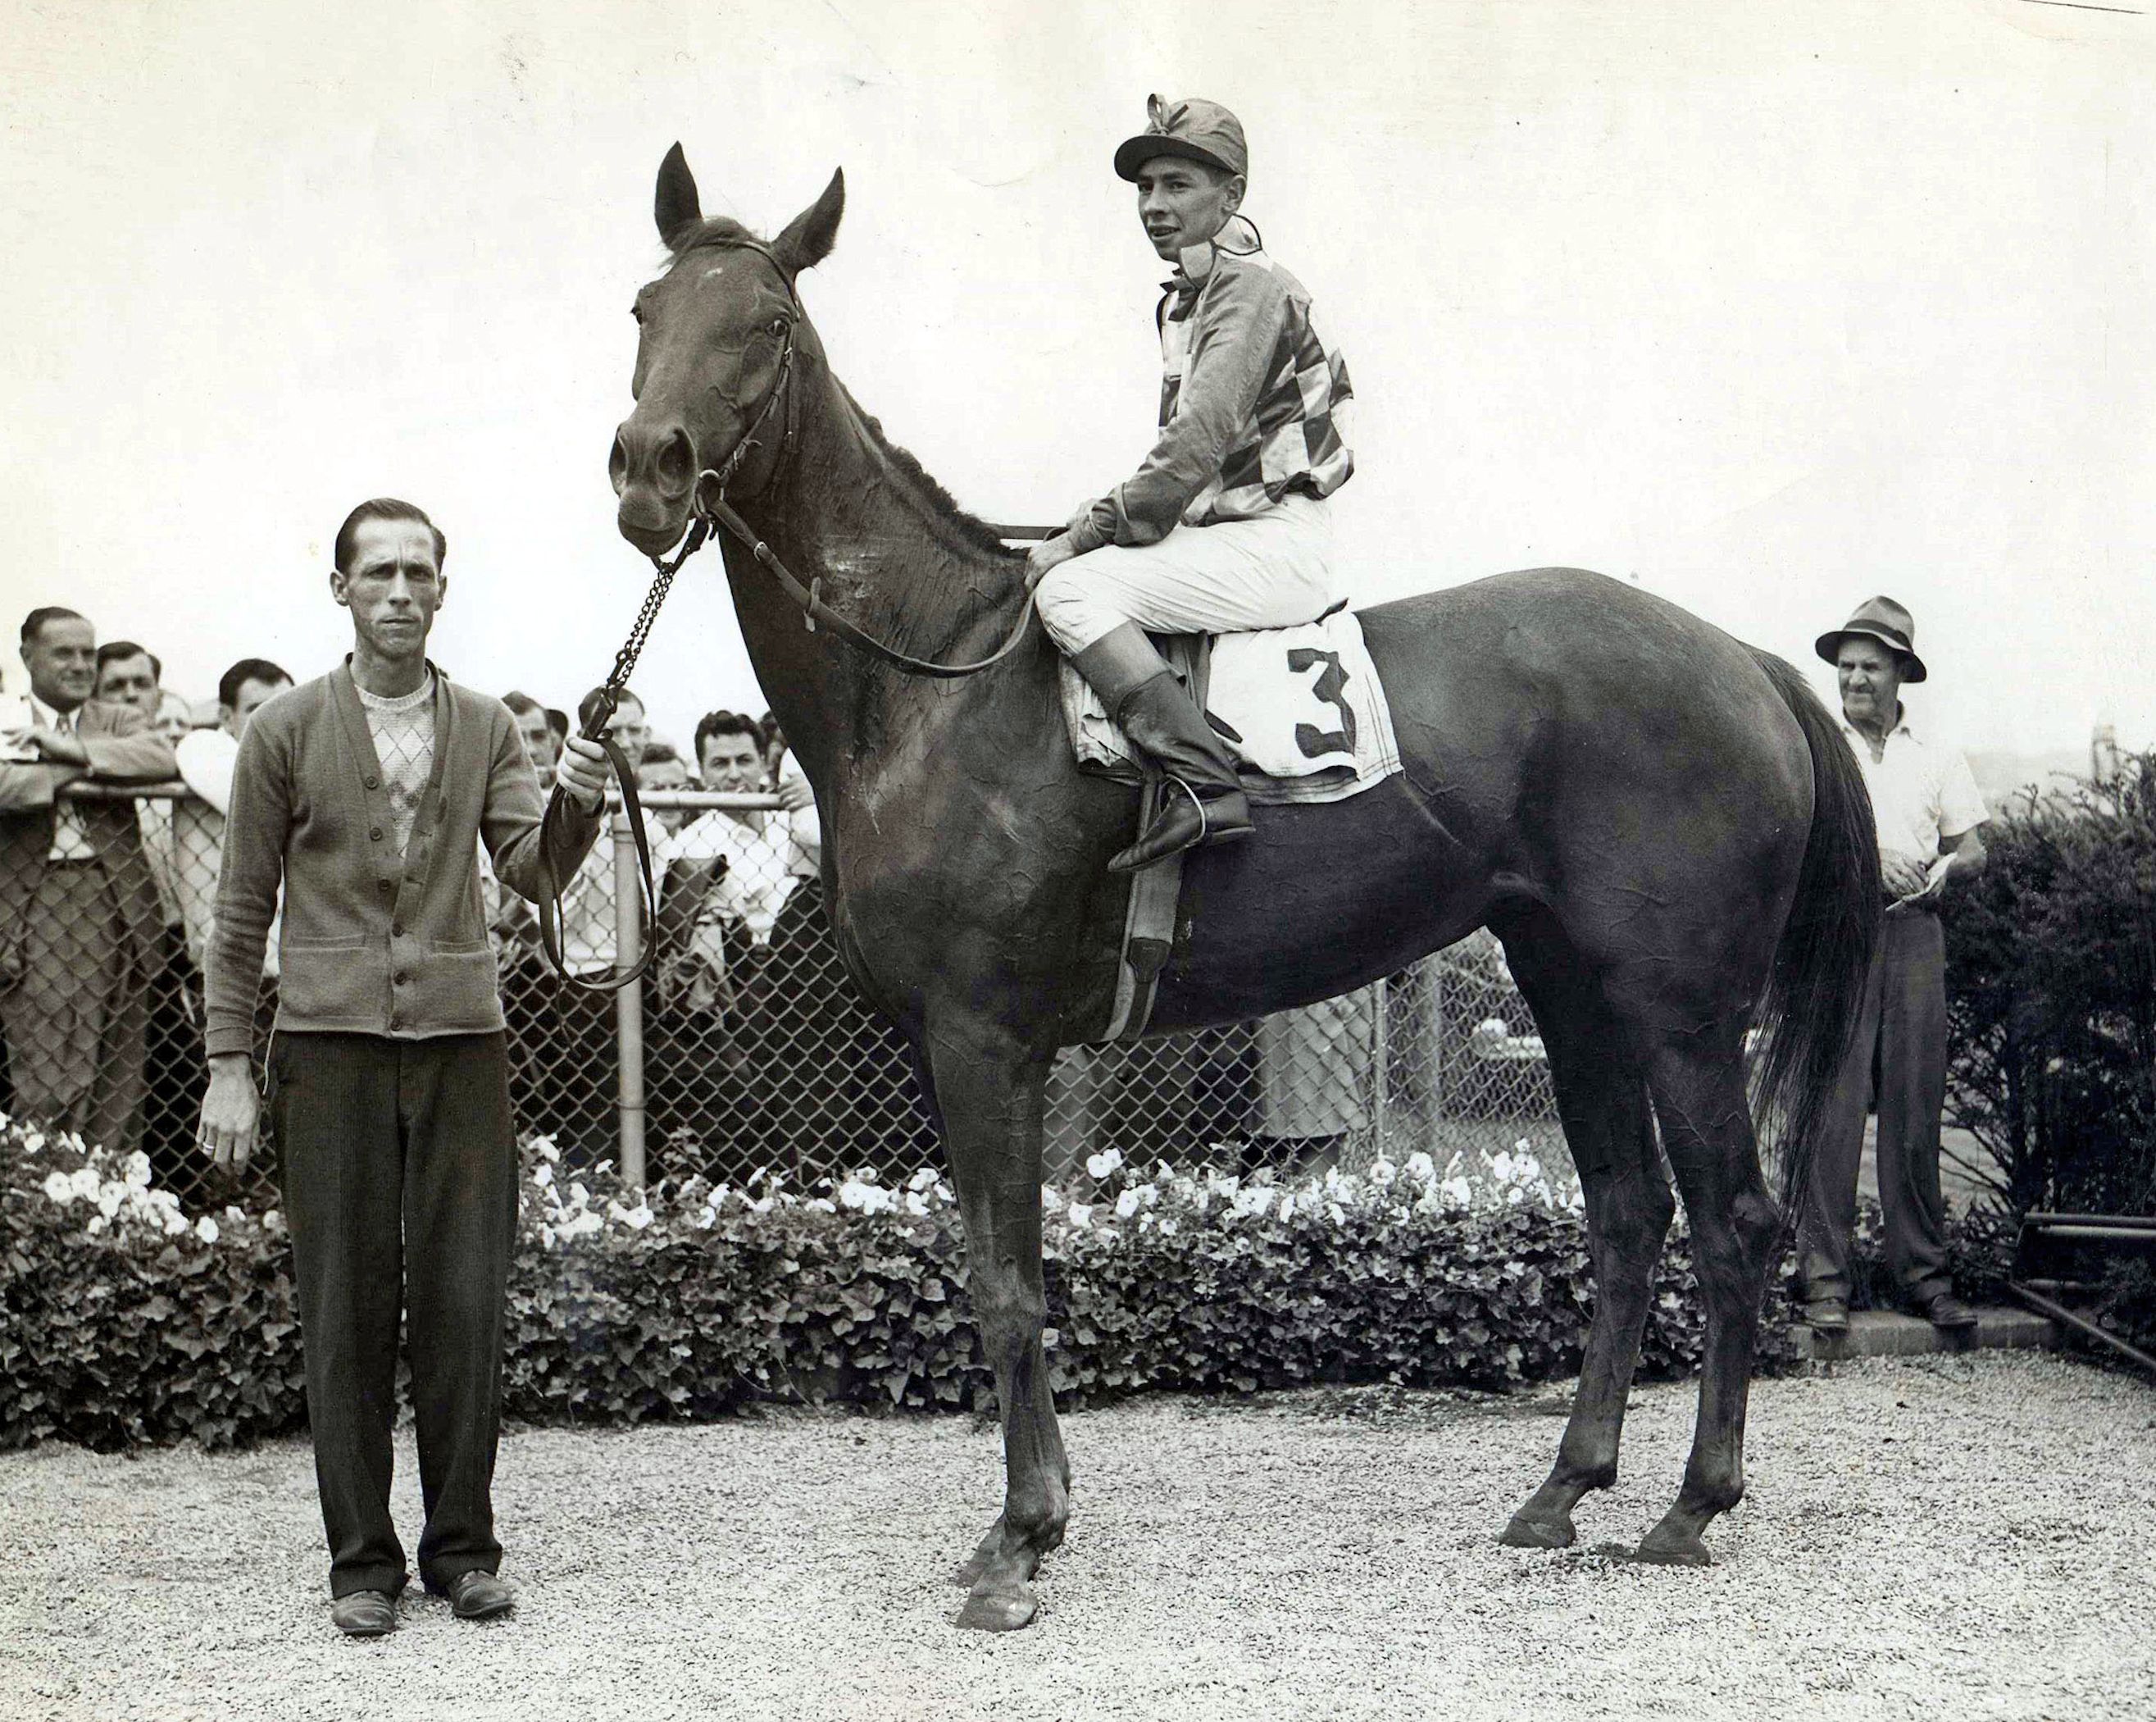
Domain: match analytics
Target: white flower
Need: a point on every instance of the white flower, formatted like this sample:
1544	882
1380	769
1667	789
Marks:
59	1188
822	1205
1126	1204
635	1219
707	1219
1382	1172
34	1141
1050	1202
915	1203
87	1183
174	1222
96	1224
578	1195
137	1169
1457	1191
1421	1167
866	1197
543	1146
924	1179
1081	1215
1287	1207
109	1198
206	1230
272	1221
542	1175
1104	1164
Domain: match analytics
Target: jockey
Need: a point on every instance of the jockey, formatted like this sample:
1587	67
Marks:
1225	525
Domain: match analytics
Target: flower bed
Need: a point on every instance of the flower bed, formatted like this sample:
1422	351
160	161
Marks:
124	1321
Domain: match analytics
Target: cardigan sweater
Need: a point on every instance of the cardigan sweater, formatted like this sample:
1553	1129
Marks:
373	943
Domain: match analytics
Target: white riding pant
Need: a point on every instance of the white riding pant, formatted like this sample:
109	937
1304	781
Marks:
1273	572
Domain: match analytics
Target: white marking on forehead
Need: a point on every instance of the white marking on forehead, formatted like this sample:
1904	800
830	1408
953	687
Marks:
709	273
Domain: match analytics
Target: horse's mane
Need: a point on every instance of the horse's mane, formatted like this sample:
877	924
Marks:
717	233
976	532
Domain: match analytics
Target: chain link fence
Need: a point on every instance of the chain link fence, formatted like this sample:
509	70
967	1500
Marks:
746	1044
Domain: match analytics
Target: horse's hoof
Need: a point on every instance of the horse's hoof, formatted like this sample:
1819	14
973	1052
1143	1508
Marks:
968	1572
1660	1548
998	1608
1524	1533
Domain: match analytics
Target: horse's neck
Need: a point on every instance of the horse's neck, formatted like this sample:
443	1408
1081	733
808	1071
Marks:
890	557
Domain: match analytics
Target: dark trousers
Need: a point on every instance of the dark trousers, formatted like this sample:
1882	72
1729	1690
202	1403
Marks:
400	1177
77	1015
1903	1031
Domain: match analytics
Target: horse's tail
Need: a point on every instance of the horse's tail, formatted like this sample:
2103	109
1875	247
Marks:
1815	990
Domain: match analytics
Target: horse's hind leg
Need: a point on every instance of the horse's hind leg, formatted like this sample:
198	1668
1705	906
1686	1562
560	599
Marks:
1706	1130
992	1097
1602	1099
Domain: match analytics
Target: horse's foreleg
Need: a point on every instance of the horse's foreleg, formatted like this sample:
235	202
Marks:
991	1096
1707	1131
1602	1099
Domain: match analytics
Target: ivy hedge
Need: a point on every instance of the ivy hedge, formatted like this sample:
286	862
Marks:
124	1322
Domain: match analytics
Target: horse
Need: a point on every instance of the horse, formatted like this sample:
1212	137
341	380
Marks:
1662	826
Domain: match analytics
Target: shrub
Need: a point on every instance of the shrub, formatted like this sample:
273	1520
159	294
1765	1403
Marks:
2051	998
123	1322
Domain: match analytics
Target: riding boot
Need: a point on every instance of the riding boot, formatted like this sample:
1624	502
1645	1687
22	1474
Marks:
1204	801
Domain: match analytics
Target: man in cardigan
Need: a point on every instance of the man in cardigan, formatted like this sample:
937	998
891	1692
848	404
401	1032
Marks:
366	793
1225	524
81	933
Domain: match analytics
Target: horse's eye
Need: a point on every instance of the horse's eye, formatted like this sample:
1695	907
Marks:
778	327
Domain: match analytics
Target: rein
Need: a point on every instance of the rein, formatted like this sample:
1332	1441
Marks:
704	516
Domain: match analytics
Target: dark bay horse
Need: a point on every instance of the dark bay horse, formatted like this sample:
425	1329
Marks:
1662	824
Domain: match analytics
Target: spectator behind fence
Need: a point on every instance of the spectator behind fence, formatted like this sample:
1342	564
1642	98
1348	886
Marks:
540	744
208	759
133	676
662	768
367	793
1929	814
81	922
572	1075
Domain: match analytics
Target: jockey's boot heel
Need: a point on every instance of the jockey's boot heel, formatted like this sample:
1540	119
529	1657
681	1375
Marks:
1205	801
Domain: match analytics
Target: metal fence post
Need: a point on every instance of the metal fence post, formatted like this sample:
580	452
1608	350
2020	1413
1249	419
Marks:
1379	1053
629	1002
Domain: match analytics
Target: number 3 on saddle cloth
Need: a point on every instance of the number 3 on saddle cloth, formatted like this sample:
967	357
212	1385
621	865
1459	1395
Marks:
1303	712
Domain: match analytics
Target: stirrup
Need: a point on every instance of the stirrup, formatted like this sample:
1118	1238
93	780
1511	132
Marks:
1207	832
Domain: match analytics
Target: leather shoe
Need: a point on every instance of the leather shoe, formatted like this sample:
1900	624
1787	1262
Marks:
1948	1312
364	1614
1828	1317
477	1596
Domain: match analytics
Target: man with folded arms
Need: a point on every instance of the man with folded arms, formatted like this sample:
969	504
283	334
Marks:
366	793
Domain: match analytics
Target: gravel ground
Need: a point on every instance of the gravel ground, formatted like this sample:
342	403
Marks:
1966	1537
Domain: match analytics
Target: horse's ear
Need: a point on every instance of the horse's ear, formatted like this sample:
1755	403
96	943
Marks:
807	238
676	206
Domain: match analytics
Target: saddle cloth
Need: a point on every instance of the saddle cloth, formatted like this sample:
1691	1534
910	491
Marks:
1300	708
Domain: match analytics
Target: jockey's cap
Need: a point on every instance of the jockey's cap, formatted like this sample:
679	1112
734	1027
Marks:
1185	125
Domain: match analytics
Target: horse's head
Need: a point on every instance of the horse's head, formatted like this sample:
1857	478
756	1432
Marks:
721	332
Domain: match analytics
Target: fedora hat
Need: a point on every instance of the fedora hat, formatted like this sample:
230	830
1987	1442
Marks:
1885	621
1188	126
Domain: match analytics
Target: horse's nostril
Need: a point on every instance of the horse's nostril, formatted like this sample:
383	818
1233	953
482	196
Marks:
675	466
618	464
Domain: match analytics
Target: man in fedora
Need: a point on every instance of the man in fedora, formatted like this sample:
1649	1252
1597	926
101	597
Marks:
1929	816
1225	524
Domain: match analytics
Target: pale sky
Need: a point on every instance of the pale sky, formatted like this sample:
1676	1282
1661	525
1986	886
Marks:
1770	307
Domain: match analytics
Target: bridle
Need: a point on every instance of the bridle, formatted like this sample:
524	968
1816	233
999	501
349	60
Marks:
707	510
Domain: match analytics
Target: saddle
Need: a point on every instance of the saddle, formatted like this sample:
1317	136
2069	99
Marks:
1306	718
